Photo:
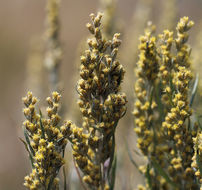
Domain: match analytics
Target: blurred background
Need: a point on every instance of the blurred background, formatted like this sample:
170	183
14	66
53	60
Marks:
22	26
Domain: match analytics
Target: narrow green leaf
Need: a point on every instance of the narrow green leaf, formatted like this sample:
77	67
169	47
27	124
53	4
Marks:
131	157
189	124
28	142
32	160
193	93
26	147
136	152
113	173
161	172
24	144
148	177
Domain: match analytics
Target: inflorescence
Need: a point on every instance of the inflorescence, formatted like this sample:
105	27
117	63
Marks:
101	106
45	142
165	131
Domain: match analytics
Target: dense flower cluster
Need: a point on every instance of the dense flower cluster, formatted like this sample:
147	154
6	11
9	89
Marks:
46	141
176	123
146	119
165	132
166	66
101	106
147	69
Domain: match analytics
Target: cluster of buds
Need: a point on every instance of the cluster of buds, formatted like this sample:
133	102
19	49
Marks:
146	73
166	132
45	143
166	65
183	51
176	127
178	132
149	134
101	106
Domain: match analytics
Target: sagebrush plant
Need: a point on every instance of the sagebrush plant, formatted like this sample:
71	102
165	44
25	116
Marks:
101	106
45	143
163	111
149	136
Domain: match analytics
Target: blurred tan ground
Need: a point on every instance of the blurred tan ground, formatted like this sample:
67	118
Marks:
21	21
